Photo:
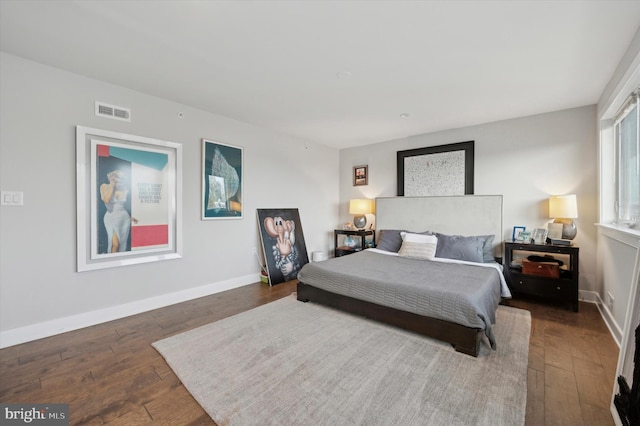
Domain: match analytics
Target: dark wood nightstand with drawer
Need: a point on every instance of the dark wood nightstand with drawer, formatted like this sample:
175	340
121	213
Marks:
541	277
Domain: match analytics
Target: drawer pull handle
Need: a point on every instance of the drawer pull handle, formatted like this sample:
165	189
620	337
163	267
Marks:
558	288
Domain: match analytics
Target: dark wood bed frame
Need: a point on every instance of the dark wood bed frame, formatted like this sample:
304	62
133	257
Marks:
464	339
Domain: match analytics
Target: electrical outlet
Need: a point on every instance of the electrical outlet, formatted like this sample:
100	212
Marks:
610	300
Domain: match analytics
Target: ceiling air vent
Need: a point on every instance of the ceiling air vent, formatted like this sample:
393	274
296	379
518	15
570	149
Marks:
112	111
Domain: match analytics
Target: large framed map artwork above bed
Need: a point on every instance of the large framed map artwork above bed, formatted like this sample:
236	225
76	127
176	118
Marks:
436	170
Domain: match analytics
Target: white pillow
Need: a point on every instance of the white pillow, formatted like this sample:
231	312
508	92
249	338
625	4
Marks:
418	246
418	238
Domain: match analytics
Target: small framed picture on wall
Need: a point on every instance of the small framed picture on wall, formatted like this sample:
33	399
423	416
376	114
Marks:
360	175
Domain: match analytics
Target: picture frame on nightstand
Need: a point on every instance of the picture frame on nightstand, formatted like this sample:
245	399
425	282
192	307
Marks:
524	237
555	231
539	236
516	232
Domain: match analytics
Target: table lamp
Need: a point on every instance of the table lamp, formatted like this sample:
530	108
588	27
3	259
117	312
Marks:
564	208
360	207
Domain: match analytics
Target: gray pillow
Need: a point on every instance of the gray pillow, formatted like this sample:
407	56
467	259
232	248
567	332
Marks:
487	248
459	247
389	240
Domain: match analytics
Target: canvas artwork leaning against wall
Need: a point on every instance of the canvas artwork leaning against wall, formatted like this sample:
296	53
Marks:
283	243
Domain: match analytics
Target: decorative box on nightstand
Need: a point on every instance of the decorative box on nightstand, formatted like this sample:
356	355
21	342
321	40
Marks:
549	271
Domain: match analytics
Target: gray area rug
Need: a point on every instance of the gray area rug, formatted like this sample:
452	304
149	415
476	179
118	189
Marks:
294	363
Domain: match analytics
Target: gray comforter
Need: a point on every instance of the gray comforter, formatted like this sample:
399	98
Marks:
460	293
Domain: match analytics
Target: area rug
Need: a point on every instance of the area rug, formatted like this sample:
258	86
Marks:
294	363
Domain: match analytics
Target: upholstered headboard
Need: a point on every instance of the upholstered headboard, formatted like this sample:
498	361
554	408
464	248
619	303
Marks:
454	215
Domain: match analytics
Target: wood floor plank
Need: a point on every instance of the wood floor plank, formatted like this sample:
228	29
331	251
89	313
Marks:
535	397
593	387
557	352
596	416
584	346
135	416
170	409
536	356
610	365
561	400
110	373
12	390
566	350
69	379
125	360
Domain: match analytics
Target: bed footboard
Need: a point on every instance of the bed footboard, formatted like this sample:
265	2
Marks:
464	339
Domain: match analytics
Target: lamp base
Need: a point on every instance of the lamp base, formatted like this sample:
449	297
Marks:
360	221
569	229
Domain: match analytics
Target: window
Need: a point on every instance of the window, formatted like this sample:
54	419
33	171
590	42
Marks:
627	141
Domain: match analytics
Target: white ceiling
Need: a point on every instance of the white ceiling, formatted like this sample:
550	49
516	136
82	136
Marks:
277	64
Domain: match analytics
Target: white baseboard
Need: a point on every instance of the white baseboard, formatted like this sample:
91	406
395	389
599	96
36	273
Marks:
607	316
62	325
32	332
588	296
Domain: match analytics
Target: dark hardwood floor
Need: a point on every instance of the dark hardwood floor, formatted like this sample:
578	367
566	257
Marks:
110	374
572	365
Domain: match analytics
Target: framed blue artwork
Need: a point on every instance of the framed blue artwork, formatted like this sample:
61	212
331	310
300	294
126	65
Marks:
221	181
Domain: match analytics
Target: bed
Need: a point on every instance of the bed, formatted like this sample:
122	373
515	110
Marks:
457	302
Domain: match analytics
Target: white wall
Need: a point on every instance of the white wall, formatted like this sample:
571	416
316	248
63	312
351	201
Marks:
40	107
525	160
618	246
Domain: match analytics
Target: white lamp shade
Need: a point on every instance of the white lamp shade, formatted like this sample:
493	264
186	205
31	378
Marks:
360	206
563	206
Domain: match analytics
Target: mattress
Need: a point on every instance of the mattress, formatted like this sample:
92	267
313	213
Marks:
464	293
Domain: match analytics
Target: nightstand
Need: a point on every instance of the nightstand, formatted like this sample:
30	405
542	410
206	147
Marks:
542	281
347	242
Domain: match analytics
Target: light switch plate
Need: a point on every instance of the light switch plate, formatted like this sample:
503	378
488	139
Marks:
12	198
